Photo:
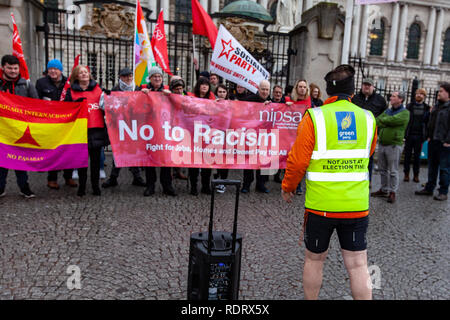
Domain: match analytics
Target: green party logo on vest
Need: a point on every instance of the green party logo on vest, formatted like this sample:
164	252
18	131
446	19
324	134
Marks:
346	126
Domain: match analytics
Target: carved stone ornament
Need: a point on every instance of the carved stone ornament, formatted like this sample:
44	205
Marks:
245	34
113	22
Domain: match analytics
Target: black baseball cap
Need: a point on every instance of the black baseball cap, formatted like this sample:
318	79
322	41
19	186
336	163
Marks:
125	72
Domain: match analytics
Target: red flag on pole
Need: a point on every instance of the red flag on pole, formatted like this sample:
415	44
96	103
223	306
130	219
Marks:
202	23
159	45
67	85
18	52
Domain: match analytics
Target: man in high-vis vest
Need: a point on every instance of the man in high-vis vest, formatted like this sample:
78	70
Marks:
332	150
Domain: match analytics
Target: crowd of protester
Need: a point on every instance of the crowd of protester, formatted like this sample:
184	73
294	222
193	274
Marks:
400	128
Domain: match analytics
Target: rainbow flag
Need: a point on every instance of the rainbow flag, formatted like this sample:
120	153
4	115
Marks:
40	135
143	54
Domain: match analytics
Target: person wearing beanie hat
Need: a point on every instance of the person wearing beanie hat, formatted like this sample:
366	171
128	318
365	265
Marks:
50	87
332	151
154	71
156	84
55	63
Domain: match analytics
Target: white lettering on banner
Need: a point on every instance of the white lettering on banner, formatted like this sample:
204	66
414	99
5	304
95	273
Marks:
279	116
233	62
202	133
132	133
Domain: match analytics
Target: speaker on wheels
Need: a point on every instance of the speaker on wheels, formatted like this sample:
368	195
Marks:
215	257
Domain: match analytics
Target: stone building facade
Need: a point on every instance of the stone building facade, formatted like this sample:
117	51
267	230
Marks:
397	41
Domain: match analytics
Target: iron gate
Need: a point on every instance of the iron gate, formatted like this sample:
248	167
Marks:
362	72
105	42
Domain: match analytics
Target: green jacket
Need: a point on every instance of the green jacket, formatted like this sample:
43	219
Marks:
392	126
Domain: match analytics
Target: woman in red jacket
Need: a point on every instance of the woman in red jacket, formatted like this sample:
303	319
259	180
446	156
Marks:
84	87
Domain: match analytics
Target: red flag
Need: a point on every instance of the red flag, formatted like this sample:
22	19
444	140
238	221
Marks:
67	85
159	45
202	23
18	52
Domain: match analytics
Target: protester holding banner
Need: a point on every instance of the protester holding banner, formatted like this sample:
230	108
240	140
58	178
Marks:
277	94
156	84
50	88
221	93
315	95
241	93
177	86
214	81
84	87
125	84
300	95
12	82
262	96
202	89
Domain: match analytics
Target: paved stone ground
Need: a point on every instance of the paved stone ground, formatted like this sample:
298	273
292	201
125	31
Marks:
132	247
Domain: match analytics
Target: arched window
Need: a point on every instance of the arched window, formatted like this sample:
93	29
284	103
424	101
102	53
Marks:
52	16
377	39
183	13
446	52
413	41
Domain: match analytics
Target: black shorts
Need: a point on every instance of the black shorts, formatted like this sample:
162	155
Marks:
351	232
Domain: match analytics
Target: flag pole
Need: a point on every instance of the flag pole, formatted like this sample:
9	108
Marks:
193	65
134	44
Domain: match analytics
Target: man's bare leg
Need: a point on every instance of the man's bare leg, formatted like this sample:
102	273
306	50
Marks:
360	282
313	273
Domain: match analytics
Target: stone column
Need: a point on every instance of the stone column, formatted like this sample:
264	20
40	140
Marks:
402	33
355	30
214	7
438	37
261	2
394	32
298	12
430	37
347	31
308	4
204	4
152	5
166	8
364	31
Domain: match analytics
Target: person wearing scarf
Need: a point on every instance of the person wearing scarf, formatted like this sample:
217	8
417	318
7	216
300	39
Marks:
125	84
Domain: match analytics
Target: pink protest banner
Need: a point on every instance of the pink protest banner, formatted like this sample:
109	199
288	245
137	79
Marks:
182	131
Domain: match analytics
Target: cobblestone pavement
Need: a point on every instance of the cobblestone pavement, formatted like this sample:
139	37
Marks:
132	247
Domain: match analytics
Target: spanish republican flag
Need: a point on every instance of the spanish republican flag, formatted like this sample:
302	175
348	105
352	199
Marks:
40	135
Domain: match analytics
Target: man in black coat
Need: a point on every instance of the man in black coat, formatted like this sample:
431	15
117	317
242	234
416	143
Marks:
368	99
156	76
419	113
50	88
438	134
125	84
